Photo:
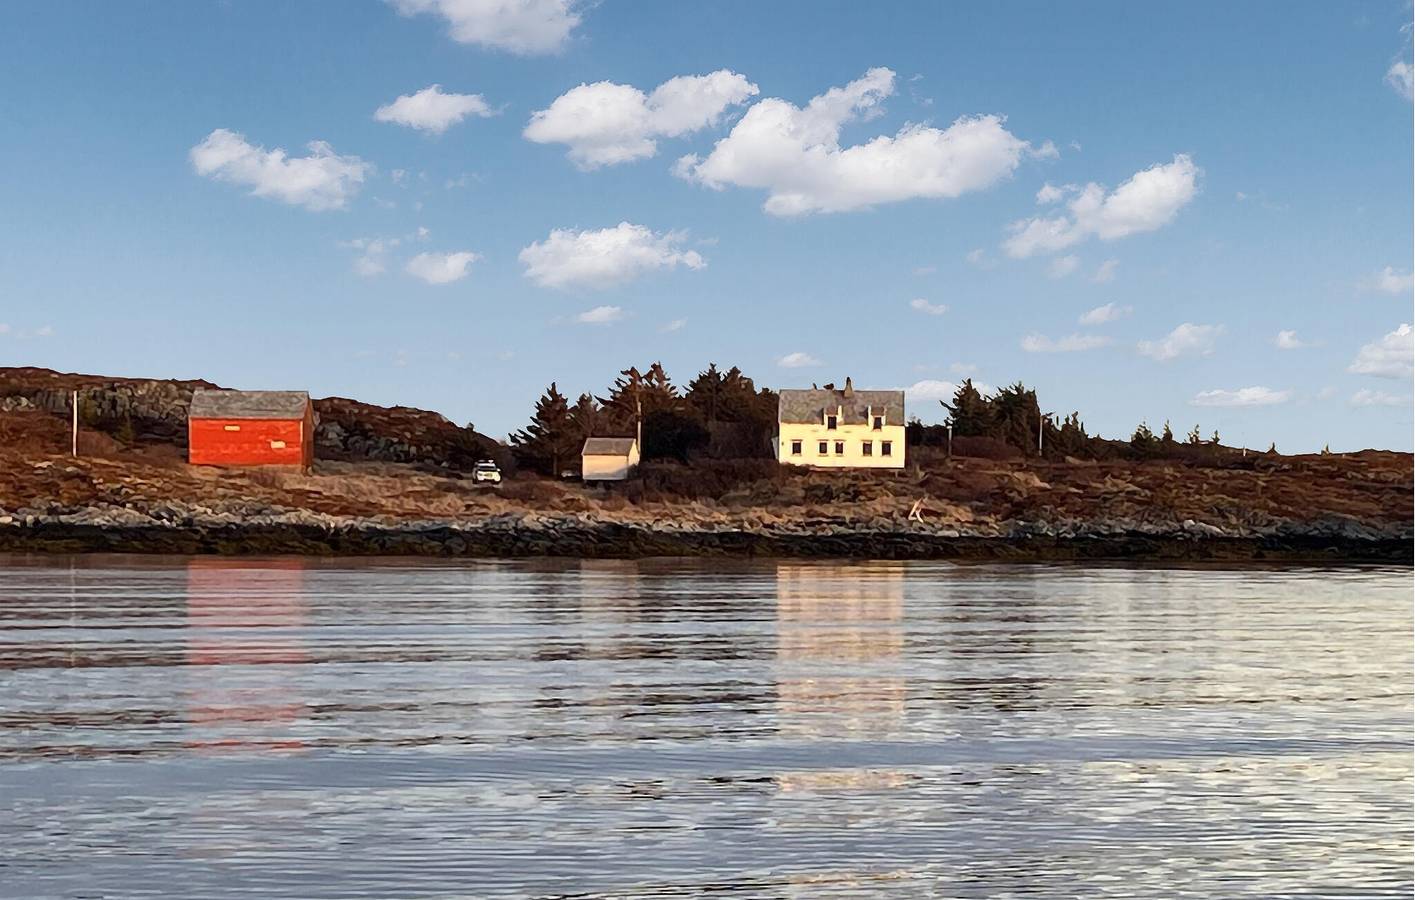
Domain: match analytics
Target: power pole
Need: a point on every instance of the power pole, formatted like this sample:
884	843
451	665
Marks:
74	428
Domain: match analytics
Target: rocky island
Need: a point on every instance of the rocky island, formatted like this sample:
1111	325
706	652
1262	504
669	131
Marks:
394	481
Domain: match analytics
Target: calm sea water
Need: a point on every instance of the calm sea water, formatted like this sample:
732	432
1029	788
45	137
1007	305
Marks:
284	728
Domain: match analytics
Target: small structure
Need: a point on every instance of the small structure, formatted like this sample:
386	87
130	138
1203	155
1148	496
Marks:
838	429
250	428
608	458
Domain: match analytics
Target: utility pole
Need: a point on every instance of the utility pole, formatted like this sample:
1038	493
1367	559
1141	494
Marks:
950	438
1041	421
74	429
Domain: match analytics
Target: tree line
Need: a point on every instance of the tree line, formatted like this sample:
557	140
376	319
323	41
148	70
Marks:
720	414
724	415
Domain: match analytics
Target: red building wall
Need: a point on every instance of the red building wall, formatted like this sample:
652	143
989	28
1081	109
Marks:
250	442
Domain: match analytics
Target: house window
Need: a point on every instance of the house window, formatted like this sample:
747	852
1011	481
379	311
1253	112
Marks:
879	423
867	448
795	448
839	448
886	448
830	422
824	448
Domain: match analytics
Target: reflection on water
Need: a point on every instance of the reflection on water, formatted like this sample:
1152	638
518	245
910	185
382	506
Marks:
214	727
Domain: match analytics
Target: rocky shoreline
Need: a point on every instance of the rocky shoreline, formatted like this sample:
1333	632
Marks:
183	529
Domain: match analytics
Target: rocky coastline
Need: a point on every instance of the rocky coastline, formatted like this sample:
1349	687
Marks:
178	528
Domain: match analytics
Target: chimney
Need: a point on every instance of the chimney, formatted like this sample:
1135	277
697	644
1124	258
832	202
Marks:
849	388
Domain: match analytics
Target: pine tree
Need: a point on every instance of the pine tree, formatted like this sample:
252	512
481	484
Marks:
1194	438
970	413
551	438
1168	436
1214	440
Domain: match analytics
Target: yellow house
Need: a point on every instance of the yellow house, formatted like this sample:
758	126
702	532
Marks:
608	458
841	429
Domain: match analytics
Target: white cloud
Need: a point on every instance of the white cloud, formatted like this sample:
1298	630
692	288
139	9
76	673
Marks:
1391	281
1051	193
930	390
441	268
373	255
1368	397
675	325
1186	340
1389	357
524	27
1398	76
1248	396
1062	266
1288	340
798	360
431	110
1071	343
605	123
795	155
1103	314
601	315
1105	272
323	180
980	258
1149	200
924	306
600	259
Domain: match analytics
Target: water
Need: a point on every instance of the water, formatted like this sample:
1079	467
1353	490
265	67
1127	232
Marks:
211	728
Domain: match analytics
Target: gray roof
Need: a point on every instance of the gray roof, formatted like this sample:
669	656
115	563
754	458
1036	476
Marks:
607	446
209	404
807	406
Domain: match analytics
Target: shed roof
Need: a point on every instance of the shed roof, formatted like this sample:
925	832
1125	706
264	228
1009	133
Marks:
217	404
807	406
607	446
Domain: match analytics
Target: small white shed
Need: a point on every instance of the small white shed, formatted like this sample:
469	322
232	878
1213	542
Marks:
608	458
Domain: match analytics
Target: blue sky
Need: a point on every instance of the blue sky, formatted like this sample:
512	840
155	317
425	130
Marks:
973	183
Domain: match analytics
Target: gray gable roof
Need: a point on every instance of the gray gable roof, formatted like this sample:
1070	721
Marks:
607	446
806	407
210	404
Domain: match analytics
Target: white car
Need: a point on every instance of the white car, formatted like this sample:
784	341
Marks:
486	472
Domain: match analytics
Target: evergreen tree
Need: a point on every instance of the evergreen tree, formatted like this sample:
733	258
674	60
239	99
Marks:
1167	437
1214	440
1194	438
550	439
971	414
1143	441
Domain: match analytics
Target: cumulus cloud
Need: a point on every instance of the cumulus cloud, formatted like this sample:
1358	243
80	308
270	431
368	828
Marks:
921	305
1288	340
798	360
1062	266
1368	397
1071	343
600	315
794	154
373	255
323	180
1105	272
604	123
1248	396
1051	193
1149	200
441	268
1391	280
1398	76
929	390
1389	357
1103	314
1186	340
675	325
432	111
603	258
524	27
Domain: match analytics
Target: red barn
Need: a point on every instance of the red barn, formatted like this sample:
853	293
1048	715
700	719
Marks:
250	428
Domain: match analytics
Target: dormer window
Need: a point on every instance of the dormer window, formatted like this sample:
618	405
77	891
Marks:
832	420
878	423
875	419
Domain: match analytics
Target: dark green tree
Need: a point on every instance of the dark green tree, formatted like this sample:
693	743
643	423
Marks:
551	439
971	413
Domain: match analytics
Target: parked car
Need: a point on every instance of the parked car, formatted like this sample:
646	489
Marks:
486	472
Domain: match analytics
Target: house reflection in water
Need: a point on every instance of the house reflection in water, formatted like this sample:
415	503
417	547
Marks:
245	620
840	637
